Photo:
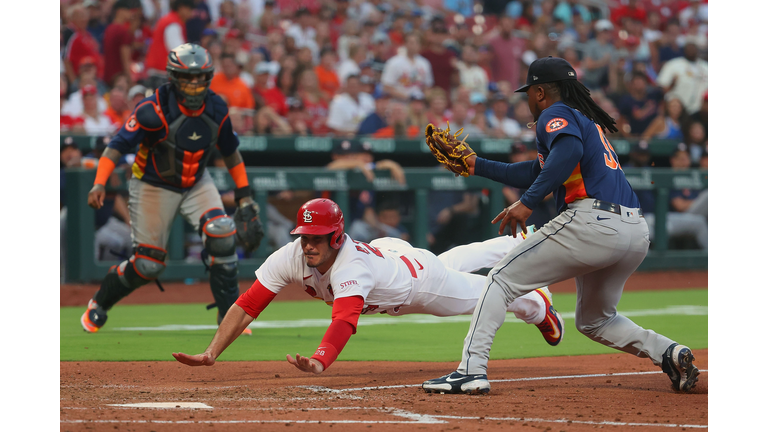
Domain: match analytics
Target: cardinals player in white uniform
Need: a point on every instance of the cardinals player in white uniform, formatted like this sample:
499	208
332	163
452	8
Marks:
387	276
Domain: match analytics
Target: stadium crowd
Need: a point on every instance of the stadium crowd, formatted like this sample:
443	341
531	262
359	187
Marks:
353	68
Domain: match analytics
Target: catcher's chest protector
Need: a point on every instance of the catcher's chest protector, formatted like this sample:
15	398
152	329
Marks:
181	158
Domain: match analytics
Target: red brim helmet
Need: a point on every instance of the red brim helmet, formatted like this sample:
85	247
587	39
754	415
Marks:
321	216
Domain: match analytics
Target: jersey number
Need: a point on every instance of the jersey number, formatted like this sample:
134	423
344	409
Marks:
611	159
366	248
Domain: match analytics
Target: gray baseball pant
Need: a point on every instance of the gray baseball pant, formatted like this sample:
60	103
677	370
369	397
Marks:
600	253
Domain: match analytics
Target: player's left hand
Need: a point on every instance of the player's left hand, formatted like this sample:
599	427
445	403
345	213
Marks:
305	364
195	360
513	215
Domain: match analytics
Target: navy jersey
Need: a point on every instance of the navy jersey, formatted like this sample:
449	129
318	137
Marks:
598	174
174	143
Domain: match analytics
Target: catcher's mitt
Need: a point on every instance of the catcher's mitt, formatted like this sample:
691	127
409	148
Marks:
448	150
249	229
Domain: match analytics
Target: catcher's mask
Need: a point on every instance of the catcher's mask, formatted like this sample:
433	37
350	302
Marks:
190	69
319	217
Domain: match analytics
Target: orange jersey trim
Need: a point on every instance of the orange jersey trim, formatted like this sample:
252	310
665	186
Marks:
574	186
140	162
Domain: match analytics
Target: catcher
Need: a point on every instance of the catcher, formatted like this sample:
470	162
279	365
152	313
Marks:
176	129
387	276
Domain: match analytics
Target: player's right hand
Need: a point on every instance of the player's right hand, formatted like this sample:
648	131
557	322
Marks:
194	360
96	196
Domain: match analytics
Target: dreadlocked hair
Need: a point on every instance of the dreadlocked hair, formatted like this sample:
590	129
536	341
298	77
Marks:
576	95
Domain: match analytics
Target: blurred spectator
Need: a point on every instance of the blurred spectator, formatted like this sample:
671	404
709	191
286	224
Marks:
668	46
440	59
437	102
507	52
570	54
353	154
688	208
417	110
326	73
297	117
88	74
398	123
169	32
408	73
303	33
268	122
598	54
351	66
268	95
460	120
639	157
200	19
704	161
696	12
227	83
349	38
397	29
638	107
669	123
471	75
631	10
223	16
314	100
117	112
349	108
686	78
377	119
387	224
570	10
81	44
74	105
135	95
97	22
453	218
702	115
68	123
285	81
118	40
499	123
696	139
96	123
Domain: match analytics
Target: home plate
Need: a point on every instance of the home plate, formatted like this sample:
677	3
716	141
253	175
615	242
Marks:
164	405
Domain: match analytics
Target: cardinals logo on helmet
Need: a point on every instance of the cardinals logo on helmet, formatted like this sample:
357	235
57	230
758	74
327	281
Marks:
307	216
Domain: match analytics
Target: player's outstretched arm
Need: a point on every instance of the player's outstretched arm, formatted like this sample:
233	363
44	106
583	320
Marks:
233	324
107	163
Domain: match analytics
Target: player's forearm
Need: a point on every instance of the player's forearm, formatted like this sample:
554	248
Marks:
520	175
565	154
107	164
236	167
233	324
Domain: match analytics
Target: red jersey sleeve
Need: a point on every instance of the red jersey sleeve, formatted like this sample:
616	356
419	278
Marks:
346	312
256	299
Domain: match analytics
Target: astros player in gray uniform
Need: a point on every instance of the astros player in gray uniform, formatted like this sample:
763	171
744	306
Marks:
176	129
600	236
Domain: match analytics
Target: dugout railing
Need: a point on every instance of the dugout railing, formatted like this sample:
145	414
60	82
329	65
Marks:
81	265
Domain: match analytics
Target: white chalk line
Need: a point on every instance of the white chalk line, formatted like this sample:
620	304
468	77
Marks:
330	390
587	422
409	319
413	418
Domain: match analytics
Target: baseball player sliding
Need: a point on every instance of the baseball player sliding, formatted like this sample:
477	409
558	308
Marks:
599	238
387	276
176	129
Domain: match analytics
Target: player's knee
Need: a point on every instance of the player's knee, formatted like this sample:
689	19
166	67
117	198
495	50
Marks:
591	327
146	264
218	231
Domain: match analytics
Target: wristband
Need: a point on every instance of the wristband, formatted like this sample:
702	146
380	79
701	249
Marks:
243	192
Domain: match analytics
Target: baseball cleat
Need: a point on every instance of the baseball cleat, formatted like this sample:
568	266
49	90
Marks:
458	383
677	362
553	327
93	318
246	332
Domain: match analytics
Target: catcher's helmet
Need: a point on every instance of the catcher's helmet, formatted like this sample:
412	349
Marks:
319	217
186	63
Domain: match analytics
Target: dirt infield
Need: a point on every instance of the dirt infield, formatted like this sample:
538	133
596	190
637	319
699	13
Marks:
541	394
178	292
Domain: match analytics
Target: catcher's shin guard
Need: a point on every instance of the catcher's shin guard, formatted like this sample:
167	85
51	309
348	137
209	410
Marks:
145	265
218	233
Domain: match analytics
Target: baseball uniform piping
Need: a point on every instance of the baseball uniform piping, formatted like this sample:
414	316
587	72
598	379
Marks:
482	302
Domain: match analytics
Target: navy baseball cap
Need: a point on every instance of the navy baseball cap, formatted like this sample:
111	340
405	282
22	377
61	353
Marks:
546	70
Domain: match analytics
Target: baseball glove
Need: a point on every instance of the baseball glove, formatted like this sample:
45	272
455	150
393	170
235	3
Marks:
448	150
249	229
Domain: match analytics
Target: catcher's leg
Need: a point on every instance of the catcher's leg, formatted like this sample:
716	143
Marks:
201	206
152	211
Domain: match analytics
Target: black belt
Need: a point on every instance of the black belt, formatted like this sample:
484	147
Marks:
611	207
